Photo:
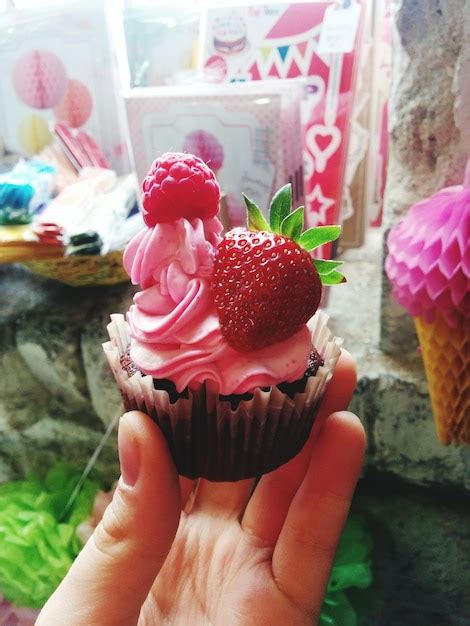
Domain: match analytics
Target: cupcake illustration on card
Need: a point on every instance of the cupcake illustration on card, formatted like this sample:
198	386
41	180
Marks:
229	34
207	147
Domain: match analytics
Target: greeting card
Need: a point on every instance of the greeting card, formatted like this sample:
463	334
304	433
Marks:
250	136
317	40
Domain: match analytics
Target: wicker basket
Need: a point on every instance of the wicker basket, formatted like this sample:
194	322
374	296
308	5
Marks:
82	271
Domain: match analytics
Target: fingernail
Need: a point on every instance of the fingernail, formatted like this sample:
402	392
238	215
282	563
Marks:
129	453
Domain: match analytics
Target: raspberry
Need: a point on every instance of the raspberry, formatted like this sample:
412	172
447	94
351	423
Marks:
265	288
179	185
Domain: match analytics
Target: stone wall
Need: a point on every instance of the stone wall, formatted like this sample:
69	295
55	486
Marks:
57	394
429	121
423	533
58	388
421	557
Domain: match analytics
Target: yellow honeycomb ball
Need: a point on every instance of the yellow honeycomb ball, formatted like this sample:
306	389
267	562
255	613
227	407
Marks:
34	134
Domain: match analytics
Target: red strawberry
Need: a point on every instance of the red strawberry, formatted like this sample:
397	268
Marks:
265	288
179	185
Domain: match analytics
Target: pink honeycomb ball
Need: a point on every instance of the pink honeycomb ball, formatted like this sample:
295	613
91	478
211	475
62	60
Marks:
76	105
39	79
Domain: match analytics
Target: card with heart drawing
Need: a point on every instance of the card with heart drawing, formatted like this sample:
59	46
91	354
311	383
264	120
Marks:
282	40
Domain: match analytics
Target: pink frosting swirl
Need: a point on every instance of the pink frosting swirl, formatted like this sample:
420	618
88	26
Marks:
428	261
174	326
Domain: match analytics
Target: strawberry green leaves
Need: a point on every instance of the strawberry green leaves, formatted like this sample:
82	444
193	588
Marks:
327	271
284	221
293	224
333	278
315	237
256	219
326	267
280	207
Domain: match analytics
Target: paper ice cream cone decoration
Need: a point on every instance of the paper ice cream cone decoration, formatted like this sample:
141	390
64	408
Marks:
429	267
446	356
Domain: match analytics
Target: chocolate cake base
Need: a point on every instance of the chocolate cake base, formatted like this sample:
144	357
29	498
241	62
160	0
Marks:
225	444
228	438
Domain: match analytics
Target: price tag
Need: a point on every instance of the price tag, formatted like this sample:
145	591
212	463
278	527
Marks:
339	28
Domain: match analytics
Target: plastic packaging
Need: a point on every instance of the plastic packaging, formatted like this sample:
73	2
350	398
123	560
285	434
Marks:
58	65
250	134
161	41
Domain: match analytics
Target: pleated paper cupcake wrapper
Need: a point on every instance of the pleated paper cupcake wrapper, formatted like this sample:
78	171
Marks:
446	356
209	439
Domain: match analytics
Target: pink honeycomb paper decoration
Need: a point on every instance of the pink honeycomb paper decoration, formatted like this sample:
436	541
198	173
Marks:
428	262
39	79
207	147
76	105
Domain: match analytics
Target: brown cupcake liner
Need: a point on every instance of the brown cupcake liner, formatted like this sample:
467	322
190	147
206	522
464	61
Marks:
207	438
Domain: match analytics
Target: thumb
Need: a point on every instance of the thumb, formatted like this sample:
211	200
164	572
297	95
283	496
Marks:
112	576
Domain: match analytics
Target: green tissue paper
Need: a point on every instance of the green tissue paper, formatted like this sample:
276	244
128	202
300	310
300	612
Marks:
352	568
37	536
39	543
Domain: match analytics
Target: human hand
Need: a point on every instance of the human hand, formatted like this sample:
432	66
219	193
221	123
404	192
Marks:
174	551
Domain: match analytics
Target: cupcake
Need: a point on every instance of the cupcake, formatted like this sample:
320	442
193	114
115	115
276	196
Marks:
223	346
428	264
